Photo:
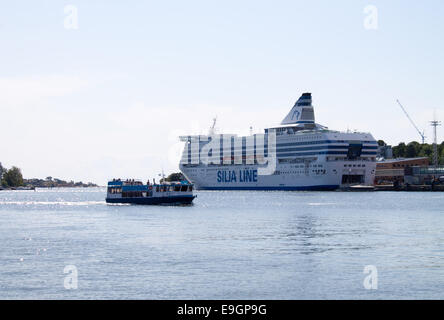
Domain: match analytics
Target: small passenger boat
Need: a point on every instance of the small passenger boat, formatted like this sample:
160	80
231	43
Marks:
135	192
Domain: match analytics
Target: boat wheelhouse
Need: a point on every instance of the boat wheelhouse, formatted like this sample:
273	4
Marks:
135	192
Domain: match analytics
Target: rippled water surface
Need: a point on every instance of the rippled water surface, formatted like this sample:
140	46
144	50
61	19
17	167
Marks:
228	245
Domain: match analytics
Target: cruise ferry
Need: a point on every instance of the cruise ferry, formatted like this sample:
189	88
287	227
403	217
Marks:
135	192
298	154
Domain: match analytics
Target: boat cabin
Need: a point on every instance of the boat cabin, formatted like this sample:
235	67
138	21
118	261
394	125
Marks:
132	191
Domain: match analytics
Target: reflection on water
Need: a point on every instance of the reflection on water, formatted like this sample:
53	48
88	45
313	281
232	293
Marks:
238	245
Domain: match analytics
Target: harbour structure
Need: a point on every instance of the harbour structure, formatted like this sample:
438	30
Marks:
424	175
391	170
297	154
409	174
384	152
135	192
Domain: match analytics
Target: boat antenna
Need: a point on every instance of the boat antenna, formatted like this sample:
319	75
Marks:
163	176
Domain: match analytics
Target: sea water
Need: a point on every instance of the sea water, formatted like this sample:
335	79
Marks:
69	244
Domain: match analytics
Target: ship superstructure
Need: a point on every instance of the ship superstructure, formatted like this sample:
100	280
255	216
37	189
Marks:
298	154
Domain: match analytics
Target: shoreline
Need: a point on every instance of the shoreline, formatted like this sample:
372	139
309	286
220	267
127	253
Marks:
55	187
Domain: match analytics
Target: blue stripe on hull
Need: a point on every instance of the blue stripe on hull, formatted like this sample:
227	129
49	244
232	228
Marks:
282	188
154	200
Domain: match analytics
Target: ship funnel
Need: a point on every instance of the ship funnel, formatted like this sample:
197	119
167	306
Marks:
302	112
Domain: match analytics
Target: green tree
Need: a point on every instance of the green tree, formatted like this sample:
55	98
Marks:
426	151
441	153
177	176
381	143
13	178
412	150
1	172
400	150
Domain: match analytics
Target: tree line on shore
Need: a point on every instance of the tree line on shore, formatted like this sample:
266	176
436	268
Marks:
415	149
13	178
174	177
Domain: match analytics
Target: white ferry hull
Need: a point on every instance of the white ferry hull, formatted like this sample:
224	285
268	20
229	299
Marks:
289	178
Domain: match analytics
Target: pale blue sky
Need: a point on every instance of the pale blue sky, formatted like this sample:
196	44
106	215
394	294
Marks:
109	98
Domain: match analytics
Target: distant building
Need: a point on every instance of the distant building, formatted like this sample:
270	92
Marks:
402	163
388	171
423	175
385	152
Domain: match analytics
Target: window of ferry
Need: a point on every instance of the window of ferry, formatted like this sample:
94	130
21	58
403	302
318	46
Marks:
184	188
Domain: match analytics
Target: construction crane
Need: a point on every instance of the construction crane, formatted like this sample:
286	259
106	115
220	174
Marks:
411	121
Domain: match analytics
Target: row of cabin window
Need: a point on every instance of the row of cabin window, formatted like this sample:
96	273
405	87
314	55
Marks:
174	188
135	194
114	190
158	189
